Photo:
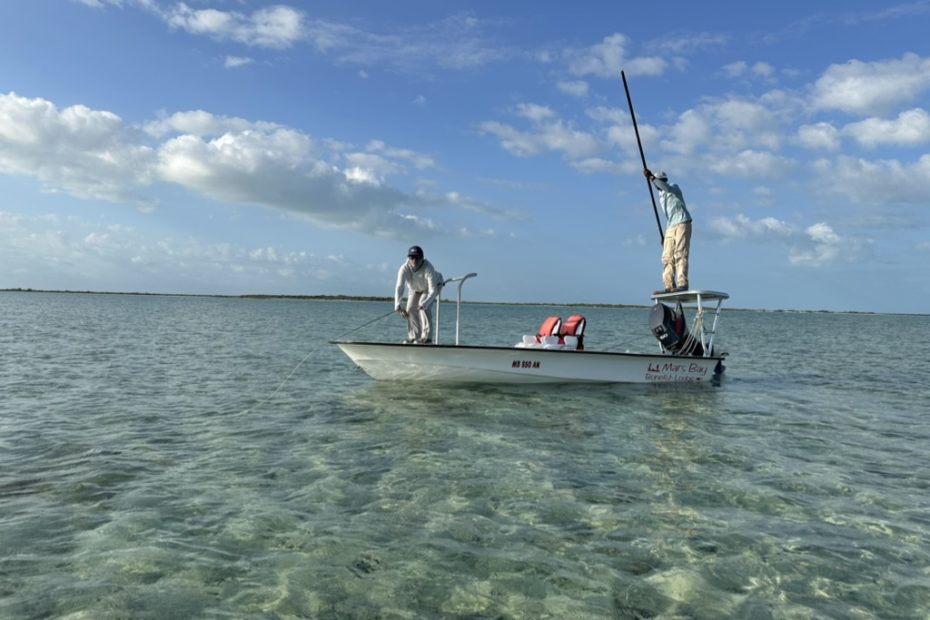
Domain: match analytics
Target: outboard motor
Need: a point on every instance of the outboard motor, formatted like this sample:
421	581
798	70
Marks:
668	326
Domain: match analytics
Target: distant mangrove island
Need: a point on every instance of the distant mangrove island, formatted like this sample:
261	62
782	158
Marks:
262	296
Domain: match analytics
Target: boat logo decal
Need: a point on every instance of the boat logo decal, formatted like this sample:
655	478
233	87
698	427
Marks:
674	371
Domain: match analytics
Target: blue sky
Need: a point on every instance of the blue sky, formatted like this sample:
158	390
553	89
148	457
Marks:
230	147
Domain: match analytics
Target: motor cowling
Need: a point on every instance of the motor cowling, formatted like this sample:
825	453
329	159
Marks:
668	326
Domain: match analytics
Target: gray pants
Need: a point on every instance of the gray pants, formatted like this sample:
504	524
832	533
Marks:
419	323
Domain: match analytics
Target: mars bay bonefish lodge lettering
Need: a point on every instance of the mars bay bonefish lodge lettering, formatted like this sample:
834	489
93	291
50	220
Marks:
676	372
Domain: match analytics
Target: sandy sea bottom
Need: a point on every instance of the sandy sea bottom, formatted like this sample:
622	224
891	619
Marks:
154	465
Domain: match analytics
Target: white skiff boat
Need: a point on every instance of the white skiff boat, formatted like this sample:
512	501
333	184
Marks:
560	356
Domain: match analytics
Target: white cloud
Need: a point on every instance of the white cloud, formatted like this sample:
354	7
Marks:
575	88
591	165
88	153
276	169
743	227
48	252
202	123
816	246
824	246
534	112
459	41
370	168
730	124
911	128
234	62
744	122
819	136
645	65
735	69
274	27
687	44
742	68
858	87
689	133
456	42
602	114
763	69
548	133
419	160
603	59
751	164
880	182
91	154
607	58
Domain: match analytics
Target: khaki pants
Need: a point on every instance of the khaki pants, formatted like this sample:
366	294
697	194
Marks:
419	324
675	256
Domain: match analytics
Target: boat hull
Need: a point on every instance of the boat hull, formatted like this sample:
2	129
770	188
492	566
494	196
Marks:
475	364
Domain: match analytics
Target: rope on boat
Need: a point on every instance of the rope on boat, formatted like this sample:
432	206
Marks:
694	335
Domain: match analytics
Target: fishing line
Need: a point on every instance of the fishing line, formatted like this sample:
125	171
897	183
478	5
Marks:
300	363
355	329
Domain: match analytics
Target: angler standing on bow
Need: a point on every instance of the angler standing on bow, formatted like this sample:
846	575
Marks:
677	243
424	284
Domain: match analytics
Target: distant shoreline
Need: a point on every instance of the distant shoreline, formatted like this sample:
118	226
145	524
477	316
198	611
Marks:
302	297
391	299
217	295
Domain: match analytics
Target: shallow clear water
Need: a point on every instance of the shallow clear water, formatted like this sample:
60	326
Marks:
153	465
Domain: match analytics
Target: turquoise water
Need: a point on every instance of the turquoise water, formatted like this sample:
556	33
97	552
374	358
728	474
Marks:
153	465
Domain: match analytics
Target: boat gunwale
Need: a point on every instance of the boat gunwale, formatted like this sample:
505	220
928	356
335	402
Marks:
533	350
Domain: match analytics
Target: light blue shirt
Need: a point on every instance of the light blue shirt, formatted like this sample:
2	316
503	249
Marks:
673	202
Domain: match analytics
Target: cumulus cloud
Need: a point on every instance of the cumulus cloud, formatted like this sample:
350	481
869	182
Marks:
575	88
741	68
234	62
910	128
274	27
823	247
689	133
93	154
880	182
534	112
743	227
88	153
731	124
202	123
277	168
815	246
819	136
607	58
419	160
860	88
547	133
751	164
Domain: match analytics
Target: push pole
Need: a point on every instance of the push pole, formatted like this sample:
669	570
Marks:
642	156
